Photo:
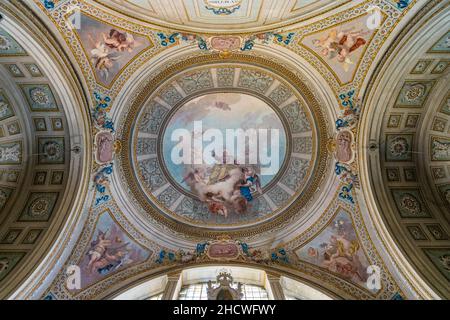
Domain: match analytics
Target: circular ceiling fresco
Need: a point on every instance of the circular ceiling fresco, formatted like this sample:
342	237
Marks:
221	155
212	118
223	145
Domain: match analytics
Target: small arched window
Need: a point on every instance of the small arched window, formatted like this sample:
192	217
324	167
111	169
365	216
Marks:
198	291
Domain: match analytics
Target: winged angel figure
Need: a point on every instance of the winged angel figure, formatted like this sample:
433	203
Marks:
104	256
110	49
103	59
341	45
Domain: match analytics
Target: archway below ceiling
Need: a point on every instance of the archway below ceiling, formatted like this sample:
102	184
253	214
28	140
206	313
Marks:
196	277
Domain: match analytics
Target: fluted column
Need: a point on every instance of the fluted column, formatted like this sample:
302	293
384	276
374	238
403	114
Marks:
172	287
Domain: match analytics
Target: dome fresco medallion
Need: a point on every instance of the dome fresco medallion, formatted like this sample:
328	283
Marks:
224	146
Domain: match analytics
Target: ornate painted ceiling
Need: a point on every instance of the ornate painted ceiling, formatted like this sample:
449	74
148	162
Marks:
92	94
222	16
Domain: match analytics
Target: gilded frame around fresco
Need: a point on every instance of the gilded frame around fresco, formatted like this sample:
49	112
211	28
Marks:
155	83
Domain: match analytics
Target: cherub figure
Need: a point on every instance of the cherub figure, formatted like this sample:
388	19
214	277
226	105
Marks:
327	43
238	202
121	41
98	250
340	45
349	42
216	204
102	59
